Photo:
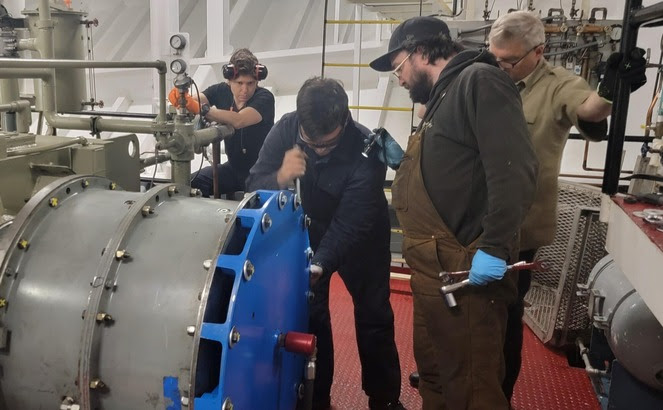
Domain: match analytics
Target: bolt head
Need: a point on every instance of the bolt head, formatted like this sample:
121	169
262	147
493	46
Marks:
233	337
190	330
266	222
248	270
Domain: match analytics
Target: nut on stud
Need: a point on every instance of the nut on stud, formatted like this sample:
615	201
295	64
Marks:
23	244
85	183
112	186
104	317
122	254
172	190
97	384
147	210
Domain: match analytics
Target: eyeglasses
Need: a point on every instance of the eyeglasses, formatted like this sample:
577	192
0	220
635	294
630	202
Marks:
320	146
510	65
327	145
399	67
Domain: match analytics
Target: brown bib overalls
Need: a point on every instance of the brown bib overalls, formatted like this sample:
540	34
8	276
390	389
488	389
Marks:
458	350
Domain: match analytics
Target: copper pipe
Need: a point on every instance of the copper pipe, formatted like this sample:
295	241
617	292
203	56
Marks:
581	176
554	28
593	29
585	68
650	112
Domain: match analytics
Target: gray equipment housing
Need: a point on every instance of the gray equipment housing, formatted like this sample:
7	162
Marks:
106	286
633	332
30	162
68	38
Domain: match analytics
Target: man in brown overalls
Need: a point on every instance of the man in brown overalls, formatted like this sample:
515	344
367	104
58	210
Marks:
461	193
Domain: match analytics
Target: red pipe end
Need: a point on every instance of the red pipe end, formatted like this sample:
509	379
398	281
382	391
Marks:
302	343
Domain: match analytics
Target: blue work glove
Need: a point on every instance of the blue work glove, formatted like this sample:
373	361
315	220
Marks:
389	152
486	268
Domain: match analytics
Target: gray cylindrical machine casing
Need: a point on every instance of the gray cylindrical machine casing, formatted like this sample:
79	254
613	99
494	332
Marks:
633	332
152	293
69	44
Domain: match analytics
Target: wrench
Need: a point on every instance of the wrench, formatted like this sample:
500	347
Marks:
448	277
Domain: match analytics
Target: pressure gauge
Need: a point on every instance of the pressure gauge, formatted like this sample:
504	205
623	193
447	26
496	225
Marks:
616	33
178	66
177	41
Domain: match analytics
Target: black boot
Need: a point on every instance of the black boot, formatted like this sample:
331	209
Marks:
414	379
375	404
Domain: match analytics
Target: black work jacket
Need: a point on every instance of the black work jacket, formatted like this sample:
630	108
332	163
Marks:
478	164
342	192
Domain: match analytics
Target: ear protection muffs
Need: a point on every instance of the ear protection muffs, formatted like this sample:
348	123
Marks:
230	72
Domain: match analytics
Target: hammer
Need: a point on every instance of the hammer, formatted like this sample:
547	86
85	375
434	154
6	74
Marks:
447	277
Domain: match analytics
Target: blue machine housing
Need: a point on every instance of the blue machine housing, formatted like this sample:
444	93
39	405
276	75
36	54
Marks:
259	292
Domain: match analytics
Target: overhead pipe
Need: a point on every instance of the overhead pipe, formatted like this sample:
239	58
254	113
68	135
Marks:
15	106
159	65
47	75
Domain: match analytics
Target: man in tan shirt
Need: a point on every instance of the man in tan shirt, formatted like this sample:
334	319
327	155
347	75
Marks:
554	100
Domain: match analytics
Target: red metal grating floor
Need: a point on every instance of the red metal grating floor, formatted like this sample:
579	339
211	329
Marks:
546	381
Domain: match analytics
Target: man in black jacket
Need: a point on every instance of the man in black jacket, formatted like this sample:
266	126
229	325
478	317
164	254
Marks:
342	193
460	193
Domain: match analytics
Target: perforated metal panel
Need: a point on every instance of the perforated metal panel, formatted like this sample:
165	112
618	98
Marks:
555	313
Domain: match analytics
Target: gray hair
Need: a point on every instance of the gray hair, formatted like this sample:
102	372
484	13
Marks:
521	26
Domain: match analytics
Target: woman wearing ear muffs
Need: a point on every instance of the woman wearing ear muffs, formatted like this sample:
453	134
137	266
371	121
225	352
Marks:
242	104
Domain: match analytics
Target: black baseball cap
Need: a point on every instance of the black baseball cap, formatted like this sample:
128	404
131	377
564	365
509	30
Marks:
413	29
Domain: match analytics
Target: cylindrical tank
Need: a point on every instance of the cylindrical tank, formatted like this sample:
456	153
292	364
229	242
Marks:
633	332
69	40
124	300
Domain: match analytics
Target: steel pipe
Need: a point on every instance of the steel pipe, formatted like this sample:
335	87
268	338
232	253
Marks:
159	65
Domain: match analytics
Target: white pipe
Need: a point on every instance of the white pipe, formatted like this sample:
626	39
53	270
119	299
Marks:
584	353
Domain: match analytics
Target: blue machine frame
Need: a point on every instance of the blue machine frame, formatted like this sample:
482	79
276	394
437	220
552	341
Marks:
259	292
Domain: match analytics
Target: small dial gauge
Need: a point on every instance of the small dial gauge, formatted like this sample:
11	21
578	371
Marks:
178	66
177	41
616	33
